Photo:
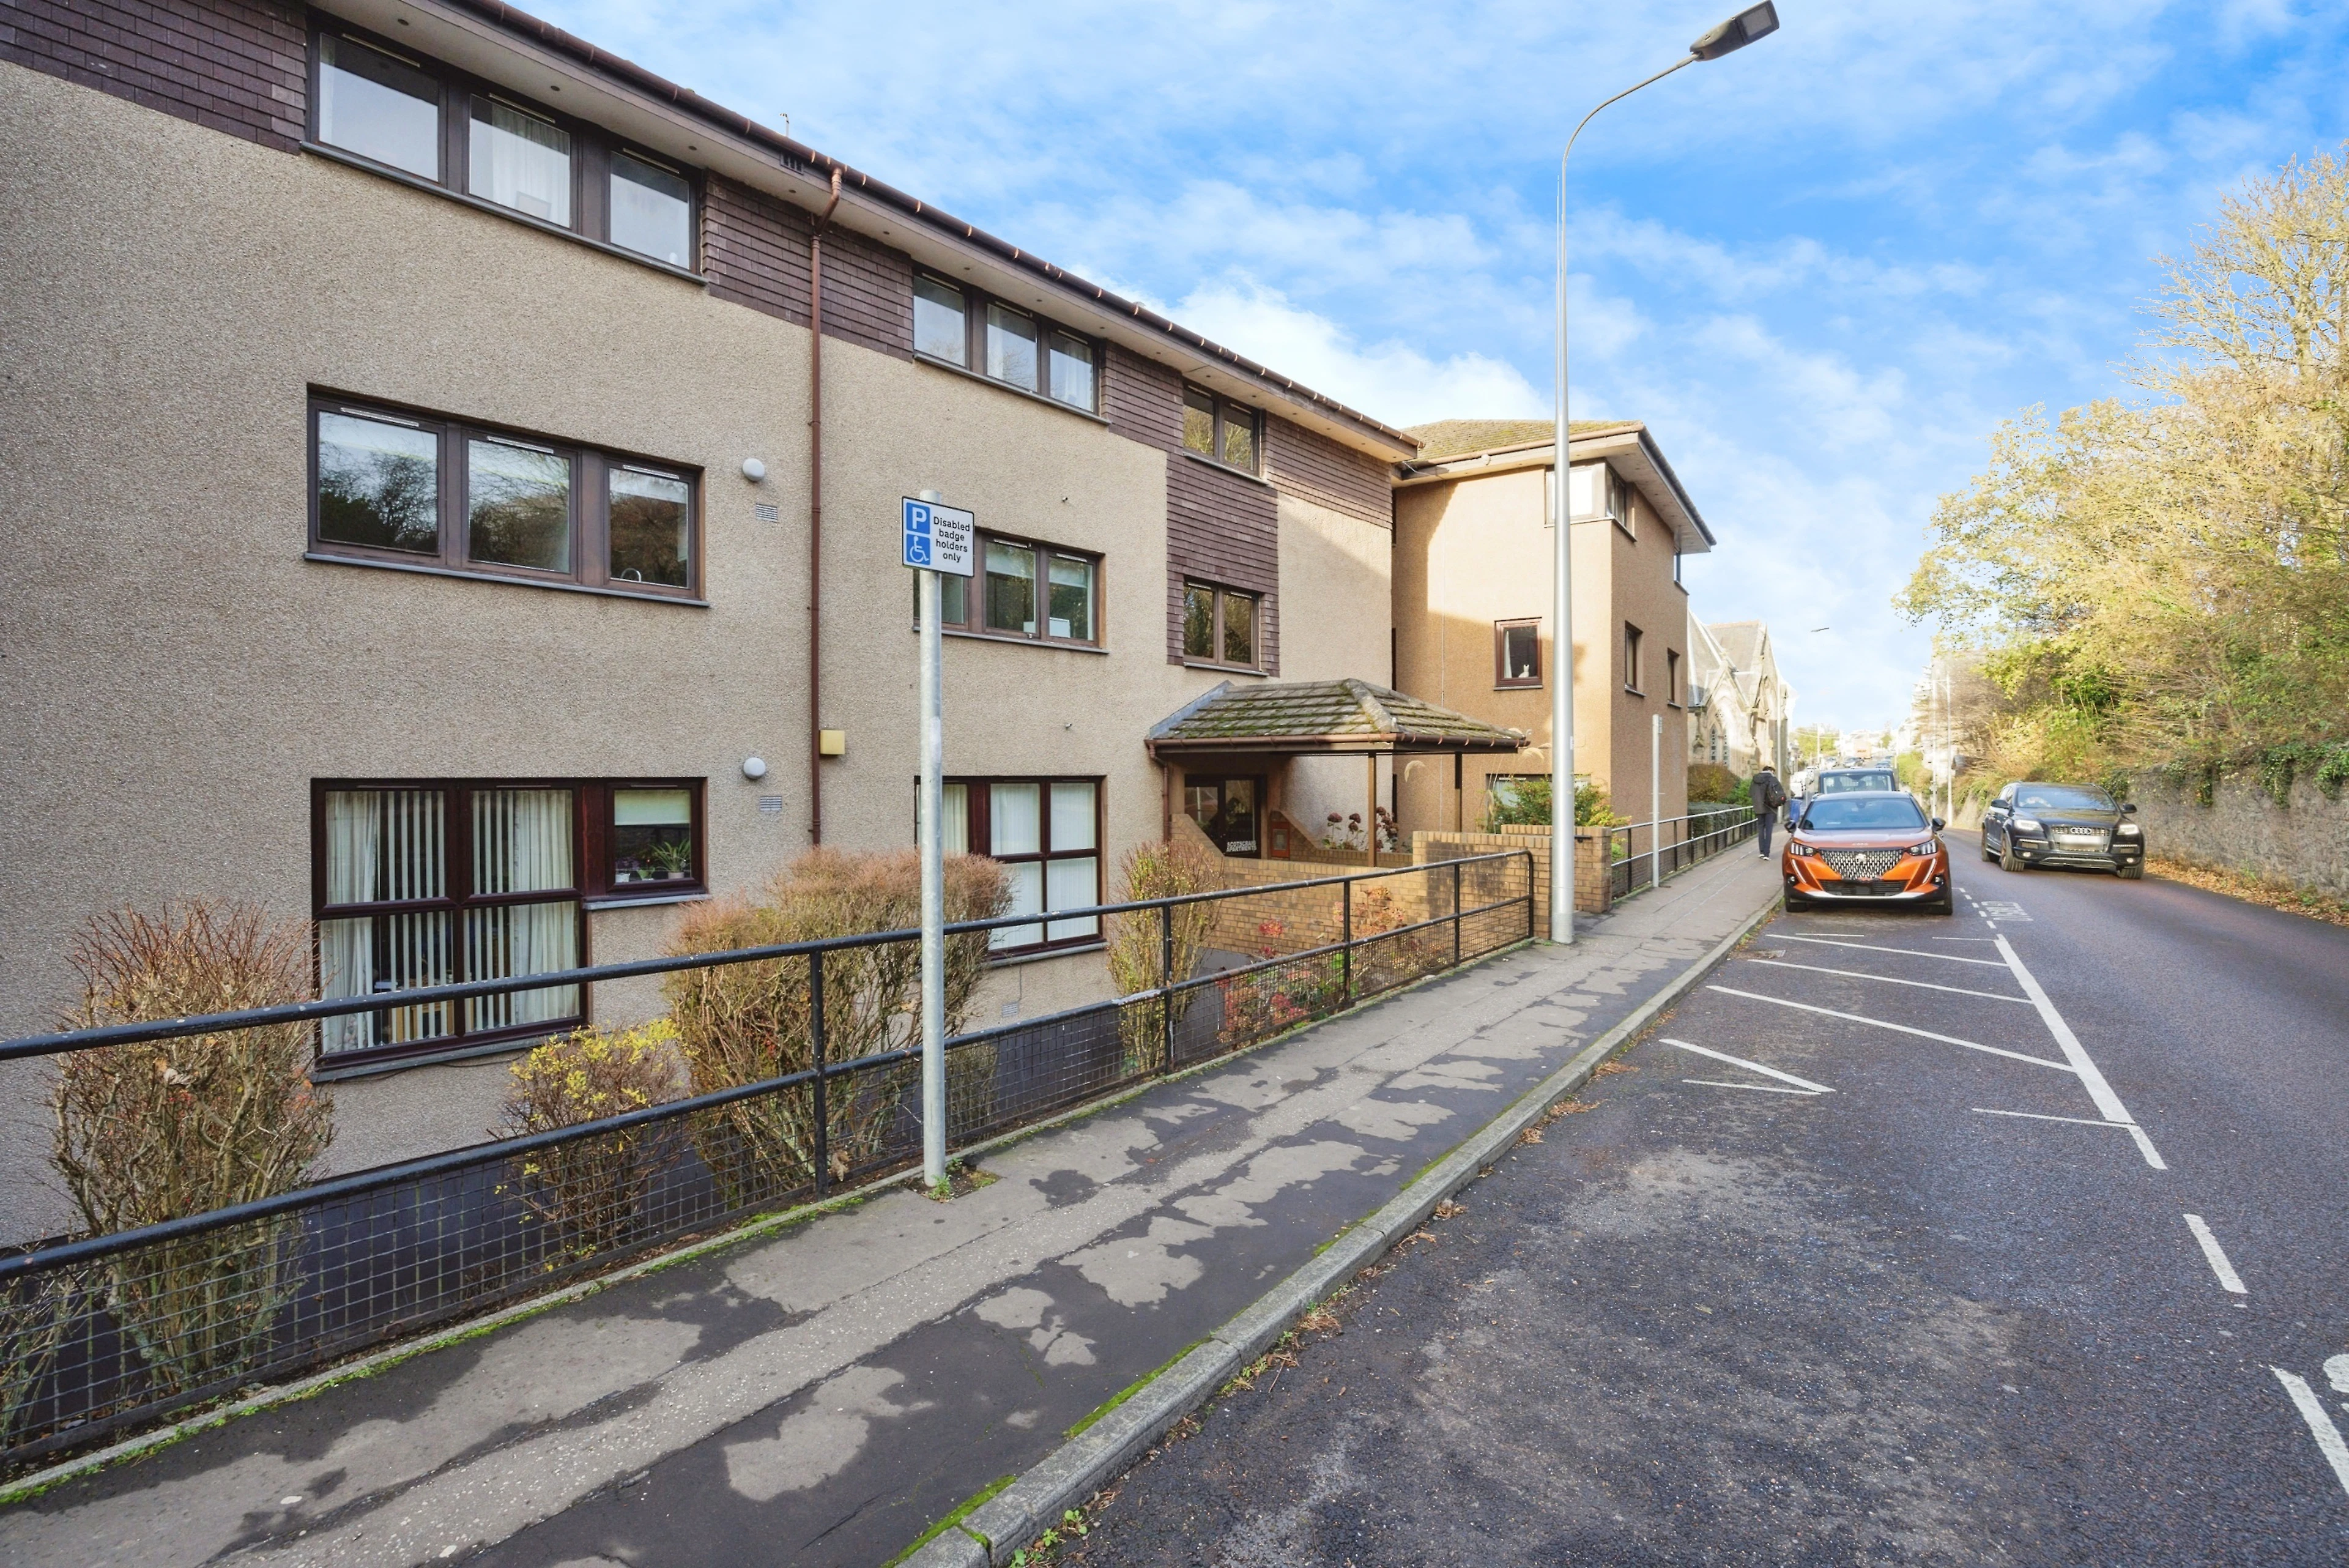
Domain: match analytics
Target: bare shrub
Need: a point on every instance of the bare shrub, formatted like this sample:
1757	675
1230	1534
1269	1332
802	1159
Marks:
1164	870
150	1132
738	1023
587	1193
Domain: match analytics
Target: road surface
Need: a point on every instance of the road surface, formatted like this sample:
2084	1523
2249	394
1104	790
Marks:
2016	1237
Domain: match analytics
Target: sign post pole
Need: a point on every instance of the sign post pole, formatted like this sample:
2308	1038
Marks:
937	539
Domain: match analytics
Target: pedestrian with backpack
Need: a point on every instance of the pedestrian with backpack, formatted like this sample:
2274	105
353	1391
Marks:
1767	795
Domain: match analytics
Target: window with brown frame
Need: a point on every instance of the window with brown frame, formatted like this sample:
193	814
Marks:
1219	429
1047	832
1632	639
1517	653
958	326
404	489
1222	627
375	101
1017	579
423	882
1673	677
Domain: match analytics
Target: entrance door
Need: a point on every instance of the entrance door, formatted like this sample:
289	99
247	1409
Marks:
1228	810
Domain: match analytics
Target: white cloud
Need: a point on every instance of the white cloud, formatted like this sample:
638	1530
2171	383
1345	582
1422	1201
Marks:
1389	380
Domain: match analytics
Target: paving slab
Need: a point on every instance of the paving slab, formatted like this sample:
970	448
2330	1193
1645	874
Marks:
821	1394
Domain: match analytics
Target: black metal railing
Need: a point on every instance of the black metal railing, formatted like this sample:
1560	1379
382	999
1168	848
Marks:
103	1333
1652	851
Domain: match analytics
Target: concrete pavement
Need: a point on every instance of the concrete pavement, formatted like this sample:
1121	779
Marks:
821	1394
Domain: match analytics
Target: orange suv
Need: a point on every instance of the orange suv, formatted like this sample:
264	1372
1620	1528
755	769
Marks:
1877	847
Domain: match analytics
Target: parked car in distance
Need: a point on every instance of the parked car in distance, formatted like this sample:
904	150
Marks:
1876	846
2062	824
1838	781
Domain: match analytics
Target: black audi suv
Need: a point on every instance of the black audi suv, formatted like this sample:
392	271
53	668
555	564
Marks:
2062	824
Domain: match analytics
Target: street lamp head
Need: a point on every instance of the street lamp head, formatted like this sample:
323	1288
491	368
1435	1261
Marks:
1759	22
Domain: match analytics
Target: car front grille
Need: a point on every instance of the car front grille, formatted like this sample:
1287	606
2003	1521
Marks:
1861	865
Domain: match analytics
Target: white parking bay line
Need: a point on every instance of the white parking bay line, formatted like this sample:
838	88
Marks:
1805	1085
2228	1278
1892	980
2044	1116
1903	1028
2107	1103
1906	952
1757	1089
2320	1424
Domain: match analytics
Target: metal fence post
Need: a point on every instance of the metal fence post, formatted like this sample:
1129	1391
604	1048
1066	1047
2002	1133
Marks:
1346	939
822	1104
1456	914
1166	988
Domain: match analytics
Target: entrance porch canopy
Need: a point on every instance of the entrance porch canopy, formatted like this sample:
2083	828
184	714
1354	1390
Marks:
1314	717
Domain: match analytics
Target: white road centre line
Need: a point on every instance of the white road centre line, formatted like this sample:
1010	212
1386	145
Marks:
1903	1028
2044	1116
2107	1103
1892	980
1803	1084
2228	1278
1906	952
2320	1424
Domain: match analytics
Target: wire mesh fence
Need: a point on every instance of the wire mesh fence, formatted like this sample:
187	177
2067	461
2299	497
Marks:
103	1333
1643	854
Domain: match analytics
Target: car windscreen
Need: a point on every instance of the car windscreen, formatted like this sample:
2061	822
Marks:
1847	783
2062	798
1890	812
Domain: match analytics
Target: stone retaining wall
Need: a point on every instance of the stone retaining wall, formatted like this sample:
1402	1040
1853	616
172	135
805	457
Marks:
2304	842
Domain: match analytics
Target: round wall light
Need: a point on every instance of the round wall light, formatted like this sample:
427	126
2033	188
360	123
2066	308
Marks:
754	767
753	470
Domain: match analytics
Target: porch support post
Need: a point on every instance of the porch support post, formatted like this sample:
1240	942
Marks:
1371	810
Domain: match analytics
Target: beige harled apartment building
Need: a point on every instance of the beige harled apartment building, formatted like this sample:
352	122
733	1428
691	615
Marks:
1471	596
433	518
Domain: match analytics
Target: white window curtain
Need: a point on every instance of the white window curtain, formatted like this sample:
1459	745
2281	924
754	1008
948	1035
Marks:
521	161
953	820
384	846
1071	884
522	843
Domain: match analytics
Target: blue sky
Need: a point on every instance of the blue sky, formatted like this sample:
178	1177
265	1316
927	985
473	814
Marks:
1822	269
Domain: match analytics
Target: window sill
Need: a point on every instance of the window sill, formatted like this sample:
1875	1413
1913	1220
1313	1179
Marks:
649	900
421	569
1227	669
466	198
1222	467
1023	955
1016	640
322	1073
968	374
1517	685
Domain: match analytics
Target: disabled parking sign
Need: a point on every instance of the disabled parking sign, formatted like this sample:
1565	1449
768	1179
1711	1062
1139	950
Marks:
938	538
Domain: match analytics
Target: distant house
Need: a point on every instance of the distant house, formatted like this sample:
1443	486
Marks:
1473	557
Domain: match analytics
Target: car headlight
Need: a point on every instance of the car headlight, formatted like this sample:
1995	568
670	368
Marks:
2127	830
2027	824
1925	848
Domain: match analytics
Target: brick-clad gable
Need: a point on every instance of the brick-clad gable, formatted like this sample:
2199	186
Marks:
236	66
1310	466
754	251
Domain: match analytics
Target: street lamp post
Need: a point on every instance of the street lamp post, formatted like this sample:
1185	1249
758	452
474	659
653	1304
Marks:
1756	22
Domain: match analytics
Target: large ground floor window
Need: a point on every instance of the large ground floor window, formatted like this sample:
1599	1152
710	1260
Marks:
1047	832
437	882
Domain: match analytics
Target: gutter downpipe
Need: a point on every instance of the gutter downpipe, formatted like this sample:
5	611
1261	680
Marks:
815	514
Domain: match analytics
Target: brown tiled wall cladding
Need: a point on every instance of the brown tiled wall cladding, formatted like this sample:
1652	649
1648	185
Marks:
1310	466
237	65
1221	527
754	250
